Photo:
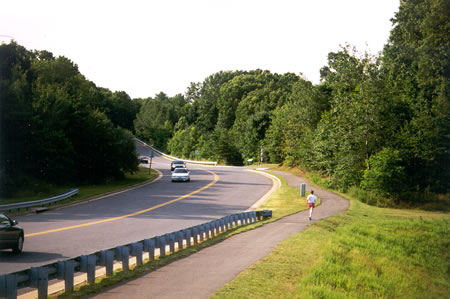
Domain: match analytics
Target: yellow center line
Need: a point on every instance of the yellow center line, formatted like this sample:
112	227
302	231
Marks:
216	178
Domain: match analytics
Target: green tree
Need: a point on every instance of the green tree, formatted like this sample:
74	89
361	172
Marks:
50	123
417	68
156	119
15	114
386	175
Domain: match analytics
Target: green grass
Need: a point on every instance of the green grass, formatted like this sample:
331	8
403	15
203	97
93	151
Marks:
85	191
285	201
366	252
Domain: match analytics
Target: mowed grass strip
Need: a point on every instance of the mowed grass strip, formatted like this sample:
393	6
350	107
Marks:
285	201
366	252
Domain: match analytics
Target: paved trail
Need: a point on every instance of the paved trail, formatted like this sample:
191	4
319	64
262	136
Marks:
202	273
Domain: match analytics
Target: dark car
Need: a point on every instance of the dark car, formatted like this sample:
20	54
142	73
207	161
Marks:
144	160
11	235
177	164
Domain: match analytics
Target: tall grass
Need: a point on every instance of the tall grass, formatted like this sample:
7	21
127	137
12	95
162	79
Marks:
366	252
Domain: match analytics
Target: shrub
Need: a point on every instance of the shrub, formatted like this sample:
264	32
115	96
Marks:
385	175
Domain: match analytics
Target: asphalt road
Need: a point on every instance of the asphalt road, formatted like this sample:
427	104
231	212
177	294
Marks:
150	210
201	274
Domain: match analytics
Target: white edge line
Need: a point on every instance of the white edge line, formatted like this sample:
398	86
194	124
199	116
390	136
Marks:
276	185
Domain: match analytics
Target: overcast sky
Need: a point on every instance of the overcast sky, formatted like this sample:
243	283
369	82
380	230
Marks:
144	47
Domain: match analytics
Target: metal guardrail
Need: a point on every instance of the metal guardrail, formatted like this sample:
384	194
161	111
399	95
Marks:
38	203
175	158
160	246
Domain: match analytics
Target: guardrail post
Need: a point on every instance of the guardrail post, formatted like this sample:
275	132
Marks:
223	223
201	230
149	246
107	260
125	255
39	279
87	265
66	272
179	237
206	230
136	250
187	235
60	270
69	267
227	222
161	244
207	227
8	286
171	239
217	226
241	218
195	234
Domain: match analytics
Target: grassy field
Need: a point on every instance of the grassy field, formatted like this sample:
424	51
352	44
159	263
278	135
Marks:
366	252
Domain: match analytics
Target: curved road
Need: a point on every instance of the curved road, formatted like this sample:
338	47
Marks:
201	274
144	212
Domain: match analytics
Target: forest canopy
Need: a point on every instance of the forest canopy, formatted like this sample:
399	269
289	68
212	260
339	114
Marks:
377	122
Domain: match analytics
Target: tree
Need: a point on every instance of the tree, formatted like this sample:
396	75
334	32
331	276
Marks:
51	119
417	68
15	114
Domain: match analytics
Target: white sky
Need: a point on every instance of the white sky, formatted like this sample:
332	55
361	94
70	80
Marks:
144	47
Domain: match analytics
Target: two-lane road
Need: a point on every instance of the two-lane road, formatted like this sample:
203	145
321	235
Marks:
150	210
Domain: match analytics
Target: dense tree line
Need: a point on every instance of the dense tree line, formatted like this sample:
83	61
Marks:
377	123
380	123
56	126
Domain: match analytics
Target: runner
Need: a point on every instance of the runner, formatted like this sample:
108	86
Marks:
311	201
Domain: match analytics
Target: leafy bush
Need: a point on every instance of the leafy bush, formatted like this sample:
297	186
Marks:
385	176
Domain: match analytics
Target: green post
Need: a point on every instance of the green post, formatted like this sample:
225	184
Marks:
303	190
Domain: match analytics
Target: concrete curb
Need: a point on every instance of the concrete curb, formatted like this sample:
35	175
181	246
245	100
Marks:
276	185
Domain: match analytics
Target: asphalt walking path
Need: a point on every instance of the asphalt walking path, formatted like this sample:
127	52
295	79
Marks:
201	274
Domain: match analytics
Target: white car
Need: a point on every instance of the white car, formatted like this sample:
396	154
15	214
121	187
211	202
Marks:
181	175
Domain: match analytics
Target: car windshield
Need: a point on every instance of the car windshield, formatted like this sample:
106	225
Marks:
181	170
178	162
